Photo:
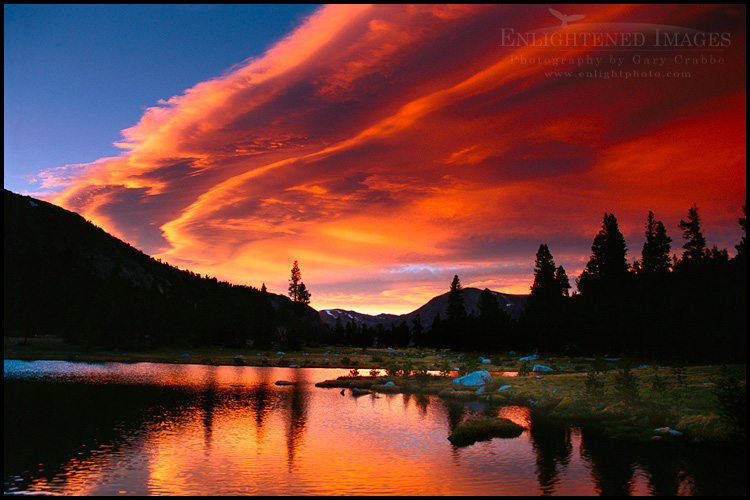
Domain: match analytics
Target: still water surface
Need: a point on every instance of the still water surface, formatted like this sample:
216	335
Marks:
152	429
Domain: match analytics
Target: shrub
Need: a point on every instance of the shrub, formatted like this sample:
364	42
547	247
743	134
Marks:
678	373
376	359
354	372
626	385
731	399
345	360
598	365
709	427
594	386
374	373
393	370
659	385
524	369
421	376
471	364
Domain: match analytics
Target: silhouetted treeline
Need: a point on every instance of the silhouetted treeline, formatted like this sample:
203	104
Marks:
686	307
64	276
665	305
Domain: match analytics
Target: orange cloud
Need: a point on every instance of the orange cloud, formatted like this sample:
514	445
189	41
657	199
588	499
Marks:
375	142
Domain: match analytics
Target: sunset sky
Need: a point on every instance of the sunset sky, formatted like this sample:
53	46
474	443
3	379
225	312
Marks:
386	148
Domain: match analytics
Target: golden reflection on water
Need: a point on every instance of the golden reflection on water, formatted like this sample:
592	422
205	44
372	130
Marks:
516	414
241	434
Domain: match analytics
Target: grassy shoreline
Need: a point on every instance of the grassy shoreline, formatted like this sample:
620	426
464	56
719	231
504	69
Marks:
670	404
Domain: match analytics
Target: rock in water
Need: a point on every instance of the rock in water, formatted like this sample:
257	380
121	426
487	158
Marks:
483	428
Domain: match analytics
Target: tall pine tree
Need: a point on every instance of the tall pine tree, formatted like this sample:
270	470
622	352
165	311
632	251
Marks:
294	282
743	224
298	292
607	269
456	307
562	280
695	246
655	256
652	332
491	319
605	296
544	307
545	287
456	320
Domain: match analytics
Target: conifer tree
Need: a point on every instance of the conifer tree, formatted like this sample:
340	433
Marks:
295	280
456	321
489	309
544	307
437	332
695	247
303	294
545	287
743	224
605	297
563	283
490	320
417	331
298	292
265	332
607	268
456	307
655	256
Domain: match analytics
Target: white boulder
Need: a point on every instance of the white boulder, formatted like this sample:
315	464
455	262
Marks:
479	377
541	368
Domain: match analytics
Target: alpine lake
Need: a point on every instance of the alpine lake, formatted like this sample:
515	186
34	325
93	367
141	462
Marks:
73	428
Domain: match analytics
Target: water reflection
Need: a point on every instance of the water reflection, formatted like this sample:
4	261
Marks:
190	430
261	398
208	397
612	463
297	417
552	444
422	401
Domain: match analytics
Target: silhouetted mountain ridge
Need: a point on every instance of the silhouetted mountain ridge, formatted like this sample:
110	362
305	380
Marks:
510	303
65	276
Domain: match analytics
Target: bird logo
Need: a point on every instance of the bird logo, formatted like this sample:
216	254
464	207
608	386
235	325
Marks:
564	20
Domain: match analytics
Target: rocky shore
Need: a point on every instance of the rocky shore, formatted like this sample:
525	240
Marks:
693	420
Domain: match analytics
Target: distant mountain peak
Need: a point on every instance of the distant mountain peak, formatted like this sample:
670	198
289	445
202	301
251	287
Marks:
511	303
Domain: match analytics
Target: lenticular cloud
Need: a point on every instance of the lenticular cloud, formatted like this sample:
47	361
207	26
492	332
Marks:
383	137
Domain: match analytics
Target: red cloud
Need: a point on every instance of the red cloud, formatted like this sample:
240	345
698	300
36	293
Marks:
378	137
